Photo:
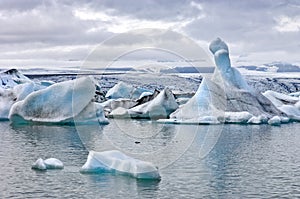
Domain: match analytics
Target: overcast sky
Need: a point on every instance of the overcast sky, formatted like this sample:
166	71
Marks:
59	33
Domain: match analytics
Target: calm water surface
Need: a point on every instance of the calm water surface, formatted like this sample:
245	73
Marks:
230	161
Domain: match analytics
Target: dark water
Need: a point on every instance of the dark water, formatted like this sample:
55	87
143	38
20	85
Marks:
230	161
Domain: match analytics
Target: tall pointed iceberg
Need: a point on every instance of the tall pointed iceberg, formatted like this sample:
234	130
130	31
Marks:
226	97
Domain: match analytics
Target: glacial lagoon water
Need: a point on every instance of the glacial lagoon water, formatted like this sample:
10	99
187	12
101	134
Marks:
237	161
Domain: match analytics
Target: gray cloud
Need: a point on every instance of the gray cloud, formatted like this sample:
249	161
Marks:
63	30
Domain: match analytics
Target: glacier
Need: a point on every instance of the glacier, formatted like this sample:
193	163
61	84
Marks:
226	97
117	162
63	103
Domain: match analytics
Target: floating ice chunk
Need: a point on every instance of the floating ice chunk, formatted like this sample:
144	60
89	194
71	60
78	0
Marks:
147	98
59	103
11	78
50	163
39	165
261	119
120	90
10	96
112	104
275	121
91	114
284	119
53	163
144	94
237	117
123	90
160	107
287	104
117	162
226	96
291	111
279	99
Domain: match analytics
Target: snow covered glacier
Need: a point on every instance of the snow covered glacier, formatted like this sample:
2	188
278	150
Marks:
226	97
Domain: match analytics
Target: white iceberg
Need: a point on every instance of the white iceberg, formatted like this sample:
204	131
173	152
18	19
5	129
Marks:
261	119
11	78
286	103
39	165
275	121
12	95
226	96
50	163
53	163
60	103
117	162
237	117
113	104
123	90
160	107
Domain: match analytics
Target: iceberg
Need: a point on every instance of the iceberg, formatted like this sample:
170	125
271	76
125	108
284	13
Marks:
288	104
53	163
60	103
39	165
50	163
226	96
117	162
160	107
12	77
123	90
12	95
113	104
275	121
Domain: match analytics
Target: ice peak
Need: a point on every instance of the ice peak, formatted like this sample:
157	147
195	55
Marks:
218	44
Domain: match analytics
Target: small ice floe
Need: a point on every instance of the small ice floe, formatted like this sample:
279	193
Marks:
117	162
39	165
261	119
53	163
275	121
50	163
